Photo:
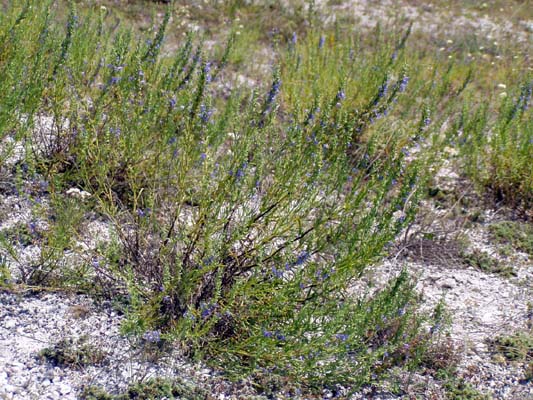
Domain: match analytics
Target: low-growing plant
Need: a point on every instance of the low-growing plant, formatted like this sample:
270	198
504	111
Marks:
459	389
151	389
52	232
73	353
517	234
21	234
516	347
5	273
483	261
441	361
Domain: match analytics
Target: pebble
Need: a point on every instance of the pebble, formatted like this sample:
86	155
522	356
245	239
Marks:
448	283
10	324
65	389
9	389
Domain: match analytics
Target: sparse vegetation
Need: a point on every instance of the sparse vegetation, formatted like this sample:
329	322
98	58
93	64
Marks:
517	234
484	262
518	346
73	353
152	389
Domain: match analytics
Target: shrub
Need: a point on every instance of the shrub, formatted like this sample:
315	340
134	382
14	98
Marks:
242	224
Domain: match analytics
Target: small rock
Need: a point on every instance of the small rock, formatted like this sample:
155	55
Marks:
10	324
54	395
448	283
65	389
10	389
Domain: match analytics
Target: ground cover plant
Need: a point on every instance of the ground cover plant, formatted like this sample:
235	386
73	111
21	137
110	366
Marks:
240	221
151	389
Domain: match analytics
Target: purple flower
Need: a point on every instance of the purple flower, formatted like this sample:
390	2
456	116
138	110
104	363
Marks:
115	131
312	114
403	83
321	42
435	328
302	258
33	227
240	171
43	186
72	22
116	68
207	70
342	337
208	261
274	91
188	315
207	310
340	95
294	38
322	275
525	97
383	89
205	113
172	102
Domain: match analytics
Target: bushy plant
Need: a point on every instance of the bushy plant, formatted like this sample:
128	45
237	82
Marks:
243	224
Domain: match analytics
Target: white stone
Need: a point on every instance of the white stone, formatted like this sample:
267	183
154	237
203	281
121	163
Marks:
65	389
11	323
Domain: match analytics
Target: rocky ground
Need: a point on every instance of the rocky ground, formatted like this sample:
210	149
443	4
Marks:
482	305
